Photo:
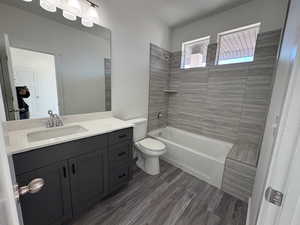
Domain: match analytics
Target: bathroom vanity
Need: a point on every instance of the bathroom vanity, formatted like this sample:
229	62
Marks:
78	170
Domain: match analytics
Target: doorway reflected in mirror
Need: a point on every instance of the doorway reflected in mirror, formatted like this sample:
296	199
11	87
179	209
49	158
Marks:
34	71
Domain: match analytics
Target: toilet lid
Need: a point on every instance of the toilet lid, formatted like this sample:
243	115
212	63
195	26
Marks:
152	144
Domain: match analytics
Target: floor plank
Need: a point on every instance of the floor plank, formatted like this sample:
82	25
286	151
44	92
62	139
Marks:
171	198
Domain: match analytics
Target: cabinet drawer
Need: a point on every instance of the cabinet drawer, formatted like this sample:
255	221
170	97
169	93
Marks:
119	175
38	158
120	136
120	152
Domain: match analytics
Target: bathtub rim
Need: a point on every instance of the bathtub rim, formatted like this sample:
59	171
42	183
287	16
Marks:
230	145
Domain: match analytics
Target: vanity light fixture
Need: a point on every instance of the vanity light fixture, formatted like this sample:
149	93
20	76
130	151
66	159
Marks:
90	15
49	5
72	9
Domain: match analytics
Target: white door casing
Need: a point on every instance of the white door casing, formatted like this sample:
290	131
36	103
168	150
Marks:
281	174
285	64
284	169
11	101
9	214
290	212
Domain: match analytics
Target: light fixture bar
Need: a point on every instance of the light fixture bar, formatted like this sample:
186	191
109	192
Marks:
93	4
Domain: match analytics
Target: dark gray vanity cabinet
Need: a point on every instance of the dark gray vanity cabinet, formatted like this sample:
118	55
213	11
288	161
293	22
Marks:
77	175
119	169
120	158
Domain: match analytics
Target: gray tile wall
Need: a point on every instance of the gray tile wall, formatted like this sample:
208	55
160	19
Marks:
211	54
107	73
240	166
238	179
227	102
159	79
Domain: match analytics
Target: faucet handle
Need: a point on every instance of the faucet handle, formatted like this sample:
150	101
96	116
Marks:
50	112
58	120
49	123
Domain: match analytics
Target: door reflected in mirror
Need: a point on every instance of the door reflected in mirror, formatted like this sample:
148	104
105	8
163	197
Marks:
34	77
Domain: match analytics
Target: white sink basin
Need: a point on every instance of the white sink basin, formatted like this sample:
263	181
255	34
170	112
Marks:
54	133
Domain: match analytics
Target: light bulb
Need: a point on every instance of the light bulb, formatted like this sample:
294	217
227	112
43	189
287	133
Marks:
69	15
27	0
49	5
92	13
89	17
87	22
72	9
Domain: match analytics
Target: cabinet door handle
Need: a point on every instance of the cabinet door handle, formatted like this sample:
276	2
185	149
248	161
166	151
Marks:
121	176
65	172
73	168
122	153
122	135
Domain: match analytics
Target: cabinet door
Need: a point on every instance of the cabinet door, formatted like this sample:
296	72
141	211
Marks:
52	204
87	180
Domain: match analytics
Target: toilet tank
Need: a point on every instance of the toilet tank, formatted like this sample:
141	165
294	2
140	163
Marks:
140	128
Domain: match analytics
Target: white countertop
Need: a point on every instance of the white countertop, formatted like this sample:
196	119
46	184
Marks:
18	142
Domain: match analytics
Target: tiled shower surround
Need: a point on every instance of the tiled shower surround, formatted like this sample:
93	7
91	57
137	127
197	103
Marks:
226	102
159	81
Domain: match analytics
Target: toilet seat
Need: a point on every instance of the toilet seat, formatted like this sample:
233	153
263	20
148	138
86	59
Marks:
150	144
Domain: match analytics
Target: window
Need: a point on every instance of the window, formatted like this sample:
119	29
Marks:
237	46
194	53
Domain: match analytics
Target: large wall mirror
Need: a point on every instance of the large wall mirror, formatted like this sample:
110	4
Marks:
50	63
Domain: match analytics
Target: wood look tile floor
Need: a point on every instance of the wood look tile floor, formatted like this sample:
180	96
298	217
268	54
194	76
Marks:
171	198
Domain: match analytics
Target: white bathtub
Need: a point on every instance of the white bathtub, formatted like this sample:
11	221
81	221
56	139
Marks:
197	155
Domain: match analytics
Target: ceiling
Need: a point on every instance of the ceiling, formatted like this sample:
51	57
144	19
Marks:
179	12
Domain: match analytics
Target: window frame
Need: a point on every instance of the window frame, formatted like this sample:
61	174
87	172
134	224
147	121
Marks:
235	30
183	44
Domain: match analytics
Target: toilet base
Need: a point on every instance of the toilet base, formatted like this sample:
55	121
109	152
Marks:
140	162
152	165
149	165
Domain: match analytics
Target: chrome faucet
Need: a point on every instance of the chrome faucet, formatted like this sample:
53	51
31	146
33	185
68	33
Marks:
54	120
50	122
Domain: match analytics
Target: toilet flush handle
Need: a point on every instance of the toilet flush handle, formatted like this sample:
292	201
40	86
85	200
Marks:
160	115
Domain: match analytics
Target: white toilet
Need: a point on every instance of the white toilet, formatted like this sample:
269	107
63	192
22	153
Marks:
149	149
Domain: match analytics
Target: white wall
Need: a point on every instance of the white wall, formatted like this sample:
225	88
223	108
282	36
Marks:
132	31
270	13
